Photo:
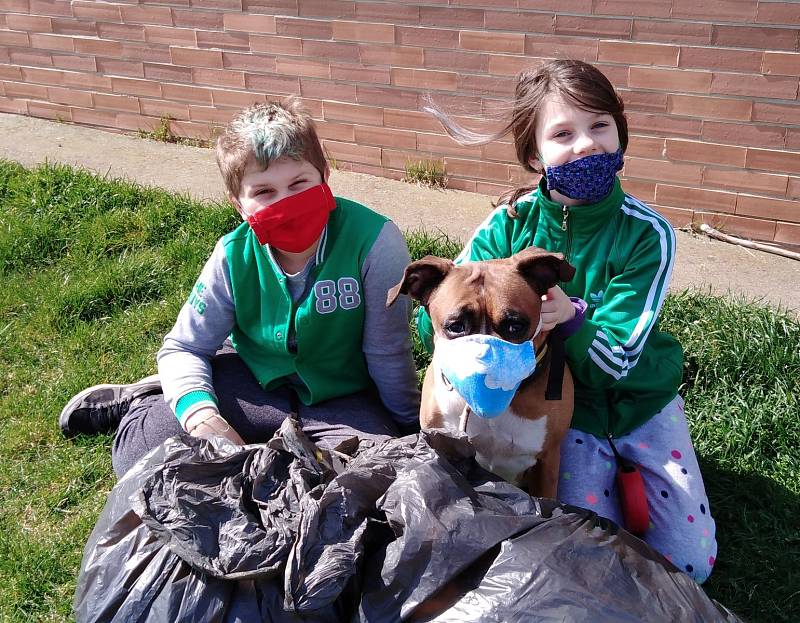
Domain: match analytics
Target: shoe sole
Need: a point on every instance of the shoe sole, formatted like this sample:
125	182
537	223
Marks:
77	398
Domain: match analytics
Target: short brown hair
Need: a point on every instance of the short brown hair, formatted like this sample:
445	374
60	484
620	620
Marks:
267	132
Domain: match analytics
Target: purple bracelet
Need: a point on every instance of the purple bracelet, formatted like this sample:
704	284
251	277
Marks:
570	327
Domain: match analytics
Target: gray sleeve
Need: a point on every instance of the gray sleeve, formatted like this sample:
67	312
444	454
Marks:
387	339
204	323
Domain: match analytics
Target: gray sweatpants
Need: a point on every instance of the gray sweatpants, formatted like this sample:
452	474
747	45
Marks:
254	413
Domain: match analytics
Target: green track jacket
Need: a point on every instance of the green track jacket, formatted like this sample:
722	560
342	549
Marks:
625	369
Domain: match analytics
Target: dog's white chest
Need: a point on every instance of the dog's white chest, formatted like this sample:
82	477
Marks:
506	445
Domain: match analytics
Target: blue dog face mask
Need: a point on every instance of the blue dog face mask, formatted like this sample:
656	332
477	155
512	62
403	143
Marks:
485	370
588	179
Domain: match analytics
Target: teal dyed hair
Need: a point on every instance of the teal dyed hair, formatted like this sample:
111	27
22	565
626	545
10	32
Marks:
268	132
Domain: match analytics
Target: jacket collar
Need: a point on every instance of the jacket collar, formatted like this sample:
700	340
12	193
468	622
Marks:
583	220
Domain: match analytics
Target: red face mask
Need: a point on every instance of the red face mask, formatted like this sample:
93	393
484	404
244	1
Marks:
293	224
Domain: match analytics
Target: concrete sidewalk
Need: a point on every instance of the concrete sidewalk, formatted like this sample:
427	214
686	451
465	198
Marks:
703	263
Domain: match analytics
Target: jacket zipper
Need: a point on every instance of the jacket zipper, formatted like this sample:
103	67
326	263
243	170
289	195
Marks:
564	227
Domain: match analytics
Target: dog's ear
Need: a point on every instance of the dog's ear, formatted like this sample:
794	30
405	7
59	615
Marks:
542	269
420	279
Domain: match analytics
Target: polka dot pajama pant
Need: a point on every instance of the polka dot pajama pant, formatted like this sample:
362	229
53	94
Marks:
681	526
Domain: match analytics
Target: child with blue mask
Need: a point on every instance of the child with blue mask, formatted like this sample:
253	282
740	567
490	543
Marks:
569	126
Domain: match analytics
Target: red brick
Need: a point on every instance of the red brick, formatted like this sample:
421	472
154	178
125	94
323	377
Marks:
42	76
770	160
136	87
552	46
778	87
644	101
757	229
411	120
335	9
272	84
60	95
709	107
114	67
160	108
443	144
19	6
24	90
352	72
671	31
14	38
646	147
661	125
191	129
118	103
427	37
749	181
562	6
134	14
209	114
634	8
635	53
387	96
678	217
327	90
504	152
457	104
714	10
793	139
696	198
711	153
304	28
425	79
593	26
488	85
502	65
518	21
336	131
13	106
52	42
641	189
302	67
663	171
493	171
456	60
250	23
359	31
146	52
353	113
96	10
392	12
230	40
192	57
74	63
276	45
450	16
385	137
172	73
721	58
225	5
51	7
768	207
249	62
391	55
205	20
758	37
781	63
788	233
793	190
779	13
398	159
482	41
353	153
669	80
184	93
457	183
313	107
332	50
35	23
616	74
271	7
235	99
94	117
492	190
49	111
218	77
10	72
170	36
372	170
98	47
755	135
26	56
122	32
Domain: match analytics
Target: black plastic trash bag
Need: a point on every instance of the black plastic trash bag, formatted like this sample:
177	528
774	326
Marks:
412	529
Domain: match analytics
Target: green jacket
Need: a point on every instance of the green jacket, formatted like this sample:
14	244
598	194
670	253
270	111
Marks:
328	323
625	369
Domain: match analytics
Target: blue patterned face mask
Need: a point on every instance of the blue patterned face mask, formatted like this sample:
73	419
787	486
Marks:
485	370
588	179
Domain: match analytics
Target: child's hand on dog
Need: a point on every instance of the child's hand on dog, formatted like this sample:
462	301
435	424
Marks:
557	308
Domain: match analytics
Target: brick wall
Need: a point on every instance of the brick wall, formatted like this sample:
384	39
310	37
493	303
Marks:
711	86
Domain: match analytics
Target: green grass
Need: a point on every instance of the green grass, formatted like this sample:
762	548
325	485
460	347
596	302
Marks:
428	173
93	272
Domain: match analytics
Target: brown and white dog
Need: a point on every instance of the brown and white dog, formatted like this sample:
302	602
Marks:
502	298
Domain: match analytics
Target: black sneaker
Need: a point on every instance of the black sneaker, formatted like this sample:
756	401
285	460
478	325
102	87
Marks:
99	409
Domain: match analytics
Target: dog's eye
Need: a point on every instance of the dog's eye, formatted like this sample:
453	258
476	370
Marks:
455	327
513	328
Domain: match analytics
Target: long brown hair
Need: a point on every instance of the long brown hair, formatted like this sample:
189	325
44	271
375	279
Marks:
577	82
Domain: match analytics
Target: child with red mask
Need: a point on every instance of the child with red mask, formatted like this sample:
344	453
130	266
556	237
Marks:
287	318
